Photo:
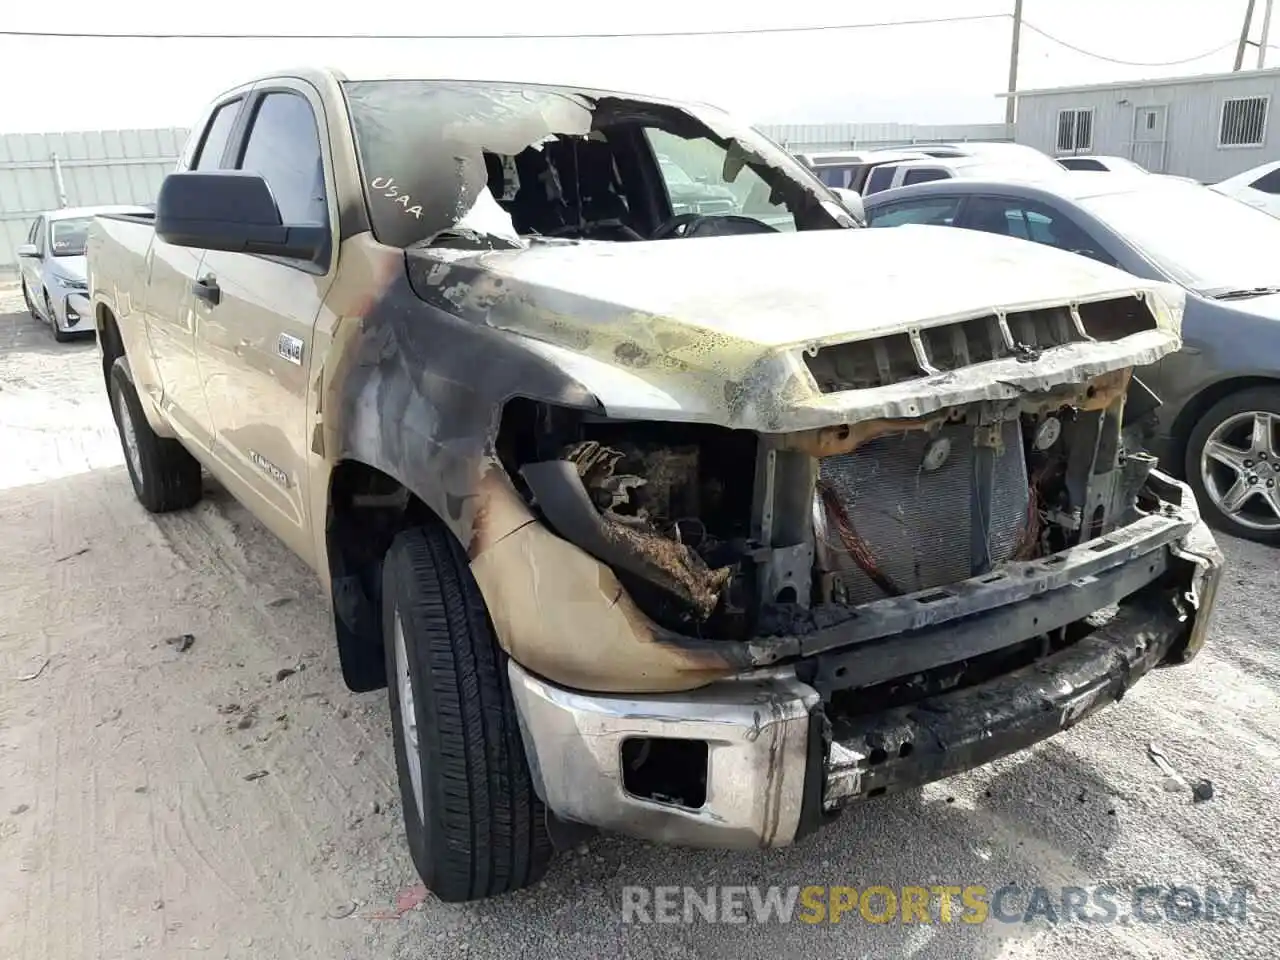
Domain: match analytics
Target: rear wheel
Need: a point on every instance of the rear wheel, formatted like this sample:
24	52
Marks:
475	826
1232	464
165	477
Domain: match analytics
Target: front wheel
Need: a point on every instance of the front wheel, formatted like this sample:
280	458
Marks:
475	826
1232	464
58	333
26	298
165	477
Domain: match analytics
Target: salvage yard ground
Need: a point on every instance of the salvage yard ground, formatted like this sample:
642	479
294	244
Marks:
183	774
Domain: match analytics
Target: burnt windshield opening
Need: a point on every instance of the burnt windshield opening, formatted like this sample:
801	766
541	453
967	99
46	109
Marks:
501	166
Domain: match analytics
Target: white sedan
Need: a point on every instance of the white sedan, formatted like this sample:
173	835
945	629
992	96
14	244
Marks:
1258	187
53	268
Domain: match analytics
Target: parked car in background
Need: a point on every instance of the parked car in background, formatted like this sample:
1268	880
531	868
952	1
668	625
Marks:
1258	187
995	151
1218	421
904	173
52	268
1103	164
690	195
849	169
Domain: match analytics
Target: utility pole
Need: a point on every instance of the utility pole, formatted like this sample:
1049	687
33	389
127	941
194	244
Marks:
1244	36
1011	103
1266	35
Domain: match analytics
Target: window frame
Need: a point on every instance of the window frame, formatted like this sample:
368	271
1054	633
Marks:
1262	126
236	101
239	141
1076	145
892	168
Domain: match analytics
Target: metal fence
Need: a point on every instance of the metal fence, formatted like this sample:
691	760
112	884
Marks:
817	137
45	171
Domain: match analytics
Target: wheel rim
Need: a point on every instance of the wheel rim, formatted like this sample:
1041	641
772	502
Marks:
1241	471
408	715
127	434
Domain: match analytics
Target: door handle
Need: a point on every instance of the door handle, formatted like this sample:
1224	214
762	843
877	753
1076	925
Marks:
207	289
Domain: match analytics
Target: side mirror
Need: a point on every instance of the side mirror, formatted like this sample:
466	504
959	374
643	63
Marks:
28	250
230	210
852	201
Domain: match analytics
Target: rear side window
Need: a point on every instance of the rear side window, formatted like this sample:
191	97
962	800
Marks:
216	136
923	175
938	211
283	147
881	178
1268	182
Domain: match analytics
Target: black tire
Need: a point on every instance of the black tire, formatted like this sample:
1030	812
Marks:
31	307
483	830
1265	399
165	477
58	334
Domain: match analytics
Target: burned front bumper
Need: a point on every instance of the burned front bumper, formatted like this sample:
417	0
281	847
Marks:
773	756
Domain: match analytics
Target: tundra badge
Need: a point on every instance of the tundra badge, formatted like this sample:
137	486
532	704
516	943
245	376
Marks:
290	348
269	468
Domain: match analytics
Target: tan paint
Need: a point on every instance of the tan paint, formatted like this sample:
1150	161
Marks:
563	615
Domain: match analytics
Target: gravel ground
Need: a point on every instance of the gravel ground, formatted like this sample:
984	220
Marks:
227	797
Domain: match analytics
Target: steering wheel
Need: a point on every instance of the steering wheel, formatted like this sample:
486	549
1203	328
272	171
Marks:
592	227
677	226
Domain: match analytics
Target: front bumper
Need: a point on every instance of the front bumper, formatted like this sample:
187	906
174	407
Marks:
778	757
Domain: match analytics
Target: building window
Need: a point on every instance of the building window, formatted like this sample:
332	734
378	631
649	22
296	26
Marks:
1244	122
1075	130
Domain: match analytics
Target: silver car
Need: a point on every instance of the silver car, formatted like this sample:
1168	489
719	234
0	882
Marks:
53	268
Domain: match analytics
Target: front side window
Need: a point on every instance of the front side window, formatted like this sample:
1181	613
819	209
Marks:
938	211
68	237
283	147
216	136
39	236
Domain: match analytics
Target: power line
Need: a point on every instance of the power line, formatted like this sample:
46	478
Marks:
1125	63
657	34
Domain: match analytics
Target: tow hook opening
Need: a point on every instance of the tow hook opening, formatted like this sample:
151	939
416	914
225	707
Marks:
666	771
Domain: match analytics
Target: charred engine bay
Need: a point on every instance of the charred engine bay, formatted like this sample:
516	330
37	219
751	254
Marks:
726	534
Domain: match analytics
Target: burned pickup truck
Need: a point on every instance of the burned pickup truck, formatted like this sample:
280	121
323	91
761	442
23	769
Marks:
694	526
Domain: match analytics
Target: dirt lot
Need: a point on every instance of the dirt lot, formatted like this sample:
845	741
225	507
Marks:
229	798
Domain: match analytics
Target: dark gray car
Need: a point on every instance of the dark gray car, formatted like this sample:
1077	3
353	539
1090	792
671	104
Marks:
1217	425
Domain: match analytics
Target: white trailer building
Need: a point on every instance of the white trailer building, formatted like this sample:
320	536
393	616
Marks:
1209	127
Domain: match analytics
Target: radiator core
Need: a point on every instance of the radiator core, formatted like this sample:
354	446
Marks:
926	528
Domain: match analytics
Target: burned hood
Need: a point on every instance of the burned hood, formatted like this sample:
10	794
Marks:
717	328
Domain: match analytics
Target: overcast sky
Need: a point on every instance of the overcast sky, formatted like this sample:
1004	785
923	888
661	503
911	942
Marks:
923	74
